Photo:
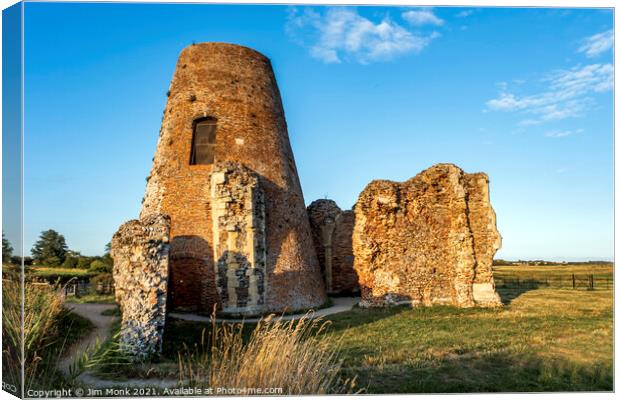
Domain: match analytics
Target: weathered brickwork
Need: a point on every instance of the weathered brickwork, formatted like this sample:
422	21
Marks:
344	277
238	209
414	242
332	231
487	239
236	87
140	251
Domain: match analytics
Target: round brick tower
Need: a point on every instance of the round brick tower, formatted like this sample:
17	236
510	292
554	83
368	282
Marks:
224	108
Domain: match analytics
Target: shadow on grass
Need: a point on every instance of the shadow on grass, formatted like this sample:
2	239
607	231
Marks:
361	316
484	373
510	292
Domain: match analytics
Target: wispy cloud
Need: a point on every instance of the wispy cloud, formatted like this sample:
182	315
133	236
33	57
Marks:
566	93
422	16
464	13
561	134
342	34
597	44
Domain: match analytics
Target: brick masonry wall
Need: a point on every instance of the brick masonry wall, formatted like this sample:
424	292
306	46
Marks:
236	86
344	276
332	231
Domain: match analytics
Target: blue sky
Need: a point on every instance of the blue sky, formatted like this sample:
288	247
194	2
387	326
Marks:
524	95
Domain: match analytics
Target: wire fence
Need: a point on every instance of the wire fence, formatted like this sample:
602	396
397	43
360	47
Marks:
570	281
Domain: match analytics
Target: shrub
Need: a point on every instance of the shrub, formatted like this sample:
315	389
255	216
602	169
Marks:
16	260
99	266
52	261
84	262
70	262
293	355
101	281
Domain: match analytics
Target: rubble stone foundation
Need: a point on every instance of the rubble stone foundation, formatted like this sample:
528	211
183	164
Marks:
140	251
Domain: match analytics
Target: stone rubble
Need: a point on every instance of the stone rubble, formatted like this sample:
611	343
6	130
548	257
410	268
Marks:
140	251
238	205
429	240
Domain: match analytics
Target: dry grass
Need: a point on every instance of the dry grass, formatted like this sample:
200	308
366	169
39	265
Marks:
48	331
550	271
42	309
295	356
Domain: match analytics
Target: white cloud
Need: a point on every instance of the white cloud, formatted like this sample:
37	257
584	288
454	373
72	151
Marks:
561	134
423	16
341	33
566	94
465	13
597	44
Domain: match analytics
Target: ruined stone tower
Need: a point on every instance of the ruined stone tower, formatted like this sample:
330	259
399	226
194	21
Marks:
224	173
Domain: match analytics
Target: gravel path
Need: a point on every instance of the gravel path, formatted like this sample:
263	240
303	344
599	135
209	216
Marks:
341	304
103	325
101	331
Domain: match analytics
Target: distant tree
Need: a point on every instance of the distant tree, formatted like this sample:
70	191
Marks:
50	249
52	261
99	266
84	262
7	249
73	253
18	260
70	262
107	257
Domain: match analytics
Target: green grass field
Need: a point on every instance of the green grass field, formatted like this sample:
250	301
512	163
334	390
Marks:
543	339
553	271
56	272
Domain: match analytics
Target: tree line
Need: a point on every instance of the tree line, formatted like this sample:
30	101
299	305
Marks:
51	250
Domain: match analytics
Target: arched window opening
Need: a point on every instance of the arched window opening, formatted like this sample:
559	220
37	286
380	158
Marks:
203	141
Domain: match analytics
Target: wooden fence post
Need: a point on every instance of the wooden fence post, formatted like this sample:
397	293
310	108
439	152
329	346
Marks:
573	281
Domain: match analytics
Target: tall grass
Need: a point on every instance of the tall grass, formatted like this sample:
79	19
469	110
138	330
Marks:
292	355
43	308
12	332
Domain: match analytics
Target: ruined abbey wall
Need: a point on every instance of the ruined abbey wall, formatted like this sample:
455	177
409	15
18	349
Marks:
429	240
140	251
332	231
238	210
236	87
223	224
487	239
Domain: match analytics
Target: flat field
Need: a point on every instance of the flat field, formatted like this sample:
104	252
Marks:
57	272
542	339
553	271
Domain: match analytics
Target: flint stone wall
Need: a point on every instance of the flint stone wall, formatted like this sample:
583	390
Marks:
140	251
239	248
429	240
332	231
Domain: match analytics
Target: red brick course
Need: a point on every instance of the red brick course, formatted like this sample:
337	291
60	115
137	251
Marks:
236	86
